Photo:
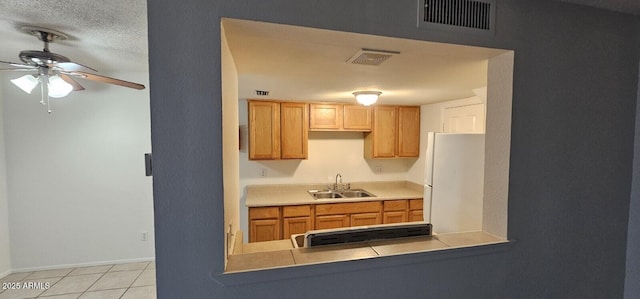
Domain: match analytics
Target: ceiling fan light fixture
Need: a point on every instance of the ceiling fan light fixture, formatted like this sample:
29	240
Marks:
367	98
58	87
27	83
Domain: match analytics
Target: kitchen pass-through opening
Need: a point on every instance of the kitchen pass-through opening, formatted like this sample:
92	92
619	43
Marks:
325	76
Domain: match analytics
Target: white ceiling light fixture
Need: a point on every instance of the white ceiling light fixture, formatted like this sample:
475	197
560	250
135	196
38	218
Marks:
53	86
367	98
27	83
58	87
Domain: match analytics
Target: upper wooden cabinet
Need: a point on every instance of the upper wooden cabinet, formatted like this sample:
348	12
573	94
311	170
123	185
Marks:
325	117
408	131
395	132
264	130
356	118
339	117
280	130
277	130
293	130
381	142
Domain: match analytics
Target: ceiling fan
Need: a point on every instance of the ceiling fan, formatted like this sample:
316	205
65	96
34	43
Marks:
54	72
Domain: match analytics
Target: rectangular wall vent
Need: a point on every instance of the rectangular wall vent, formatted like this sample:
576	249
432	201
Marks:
457	15
371	57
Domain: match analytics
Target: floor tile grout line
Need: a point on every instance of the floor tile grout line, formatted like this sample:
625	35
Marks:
68	274
101	276
82	293
126	289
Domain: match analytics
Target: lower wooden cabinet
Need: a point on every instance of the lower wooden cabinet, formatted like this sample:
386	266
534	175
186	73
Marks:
415	210
395	211
264	230
275	223
264	224
332	221
296	220
365	219
415	216
295	225
394	217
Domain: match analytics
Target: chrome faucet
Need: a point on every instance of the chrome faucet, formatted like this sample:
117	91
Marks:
335	186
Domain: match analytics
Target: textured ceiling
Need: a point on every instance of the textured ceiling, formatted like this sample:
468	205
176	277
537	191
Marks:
298	63
106	35
112	35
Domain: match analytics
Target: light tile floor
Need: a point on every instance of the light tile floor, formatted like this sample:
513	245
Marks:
120	281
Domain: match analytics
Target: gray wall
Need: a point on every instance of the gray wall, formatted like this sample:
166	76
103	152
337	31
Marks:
632	282
574	103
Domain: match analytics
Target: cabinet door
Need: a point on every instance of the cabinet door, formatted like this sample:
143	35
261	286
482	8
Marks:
332	221
264	230
297	225
264	130
382	139
294	132
365	219
408	131
464	119
357	118
416	215
394	217
323	117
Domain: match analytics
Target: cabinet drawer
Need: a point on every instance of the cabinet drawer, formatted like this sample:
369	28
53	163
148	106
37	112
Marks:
395	205
296	211
348	208
415	204
264	213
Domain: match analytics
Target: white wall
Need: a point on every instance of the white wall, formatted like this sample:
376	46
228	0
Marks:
230	140
497	144
431	120
5	258
77	189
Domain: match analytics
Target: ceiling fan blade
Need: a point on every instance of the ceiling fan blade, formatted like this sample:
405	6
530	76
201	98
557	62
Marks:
74	83
12	66
72	67
17	69
105	79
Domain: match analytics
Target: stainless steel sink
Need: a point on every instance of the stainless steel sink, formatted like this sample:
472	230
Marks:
356	193
321	194
349	193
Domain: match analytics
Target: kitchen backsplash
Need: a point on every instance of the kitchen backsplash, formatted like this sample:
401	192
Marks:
329	153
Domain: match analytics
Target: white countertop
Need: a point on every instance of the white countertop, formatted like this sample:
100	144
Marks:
296	194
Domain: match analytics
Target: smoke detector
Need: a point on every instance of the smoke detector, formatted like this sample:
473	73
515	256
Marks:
371	57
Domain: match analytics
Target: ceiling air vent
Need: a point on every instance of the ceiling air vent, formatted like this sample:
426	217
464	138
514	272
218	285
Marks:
468	16
371	57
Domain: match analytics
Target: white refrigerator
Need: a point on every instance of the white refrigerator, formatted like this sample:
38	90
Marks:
454	182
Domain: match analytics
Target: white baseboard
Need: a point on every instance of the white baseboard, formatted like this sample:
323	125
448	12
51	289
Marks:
89	264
